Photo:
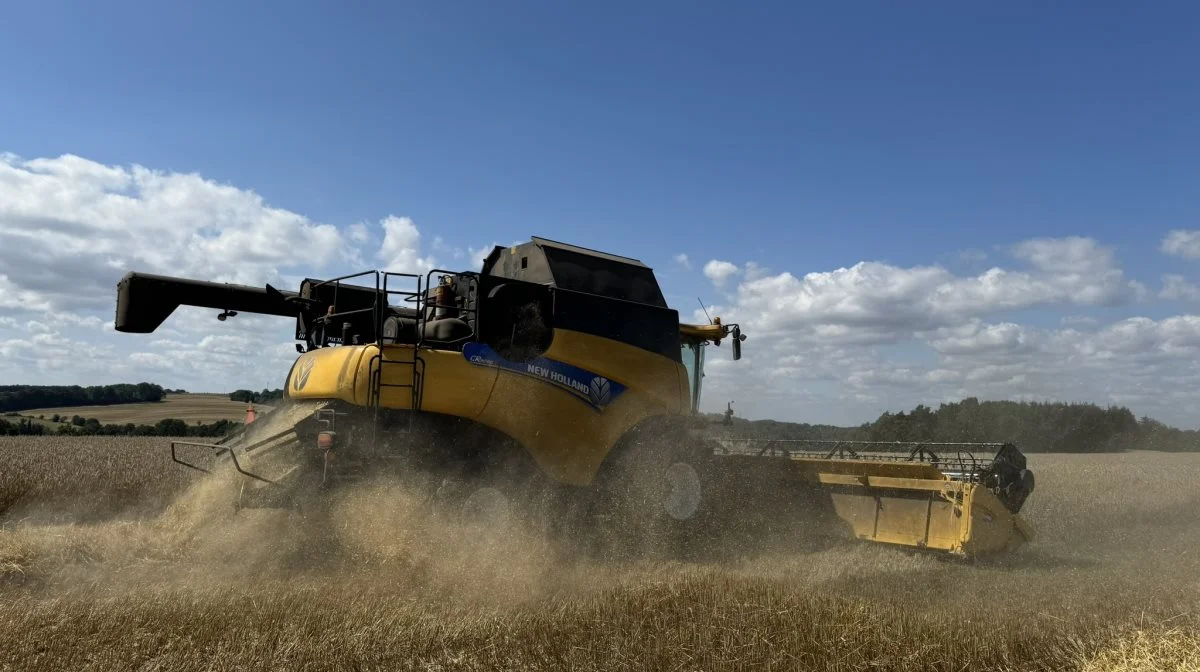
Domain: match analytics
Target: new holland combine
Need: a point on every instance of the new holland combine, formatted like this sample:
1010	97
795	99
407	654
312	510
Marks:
557	385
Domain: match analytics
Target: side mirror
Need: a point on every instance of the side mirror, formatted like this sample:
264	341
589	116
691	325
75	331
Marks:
737	342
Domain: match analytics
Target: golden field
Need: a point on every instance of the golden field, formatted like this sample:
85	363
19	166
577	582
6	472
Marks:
191	408
112	558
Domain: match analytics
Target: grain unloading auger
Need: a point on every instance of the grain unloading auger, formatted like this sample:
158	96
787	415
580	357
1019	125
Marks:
555	384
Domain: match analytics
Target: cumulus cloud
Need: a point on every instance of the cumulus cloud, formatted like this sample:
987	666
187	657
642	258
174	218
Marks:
894	302
1148	364
401	249
477	255
1182	243
977	338
874	337
720	271
70	227
359	232
835	345
1175	287
682	261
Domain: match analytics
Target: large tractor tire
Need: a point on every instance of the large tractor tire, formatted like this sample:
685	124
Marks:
656	499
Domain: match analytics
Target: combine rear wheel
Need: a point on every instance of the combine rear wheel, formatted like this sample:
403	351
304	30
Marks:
656	500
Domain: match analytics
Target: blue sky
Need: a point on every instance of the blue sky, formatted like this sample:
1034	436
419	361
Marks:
804	139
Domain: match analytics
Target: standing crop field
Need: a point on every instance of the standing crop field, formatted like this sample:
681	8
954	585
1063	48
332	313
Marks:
113	559
191	408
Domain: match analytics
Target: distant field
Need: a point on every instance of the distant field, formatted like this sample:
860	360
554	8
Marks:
191	408
104	566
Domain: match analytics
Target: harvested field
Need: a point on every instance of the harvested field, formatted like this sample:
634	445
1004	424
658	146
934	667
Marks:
191	408
103	568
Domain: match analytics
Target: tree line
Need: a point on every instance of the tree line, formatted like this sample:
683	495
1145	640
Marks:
249	396
1031	426
25	397
79	426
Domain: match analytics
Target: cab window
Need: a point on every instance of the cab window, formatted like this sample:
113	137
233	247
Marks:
692	355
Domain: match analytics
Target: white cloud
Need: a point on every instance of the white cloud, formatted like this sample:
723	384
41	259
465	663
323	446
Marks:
720	271
754	271
401	249
1182	243
978	338
890	300
1066	256
1151	365
476	256
837	345
70	227
359	232
1175	287
874	336
682	261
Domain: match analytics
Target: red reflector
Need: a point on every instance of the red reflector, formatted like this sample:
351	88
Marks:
325	440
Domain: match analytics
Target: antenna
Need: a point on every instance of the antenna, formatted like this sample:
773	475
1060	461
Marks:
705	310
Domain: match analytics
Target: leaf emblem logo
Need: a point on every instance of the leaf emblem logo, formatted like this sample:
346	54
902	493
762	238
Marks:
599	392
302	375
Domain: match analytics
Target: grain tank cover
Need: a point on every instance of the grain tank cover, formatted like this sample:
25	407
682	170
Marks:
576	268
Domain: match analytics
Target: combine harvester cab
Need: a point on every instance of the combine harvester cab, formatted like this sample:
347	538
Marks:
558	373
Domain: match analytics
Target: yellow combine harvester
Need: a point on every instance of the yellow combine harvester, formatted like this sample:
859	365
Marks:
556	384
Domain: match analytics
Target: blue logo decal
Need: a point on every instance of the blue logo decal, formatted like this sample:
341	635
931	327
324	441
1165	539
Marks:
592	389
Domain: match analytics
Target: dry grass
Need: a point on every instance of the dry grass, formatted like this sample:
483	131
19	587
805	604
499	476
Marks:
155	584
191	408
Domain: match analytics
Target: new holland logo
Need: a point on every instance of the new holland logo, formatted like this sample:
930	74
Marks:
600	391
301	379
587	386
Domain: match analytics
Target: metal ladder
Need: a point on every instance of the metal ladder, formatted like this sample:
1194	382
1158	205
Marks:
380	361
385	282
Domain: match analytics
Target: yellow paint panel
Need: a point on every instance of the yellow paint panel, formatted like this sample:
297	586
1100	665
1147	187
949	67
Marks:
858	511
903	520
922	521
945	525
655	377
451	384
992	527
925	514
566	437
325	373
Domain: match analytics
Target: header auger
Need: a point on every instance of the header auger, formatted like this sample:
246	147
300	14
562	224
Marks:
557	385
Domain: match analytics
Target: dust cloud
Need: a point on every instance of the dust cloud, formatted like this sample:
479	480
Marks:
1109	527
1118	537
374	534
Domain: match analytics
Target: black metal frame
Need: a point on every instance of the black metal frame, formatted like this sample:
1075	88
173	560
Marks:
383	294
219	450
